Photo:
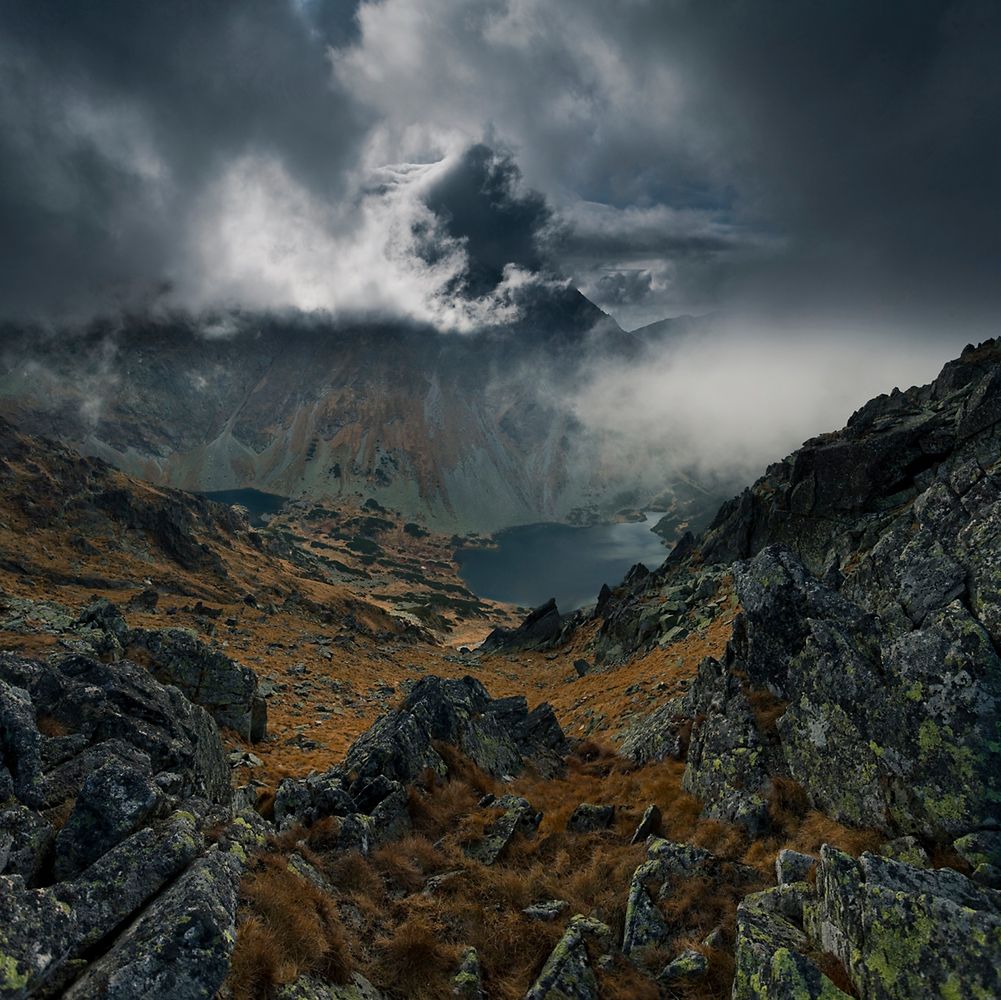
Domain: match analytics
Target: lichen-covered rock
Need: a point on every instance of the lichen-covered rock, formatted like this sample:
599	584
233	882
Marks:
20	746
983	847
225	688
690	964
519	816
644	924
657	736
104	702
467	983
26	840
305	800
792	866
121	881
312	988
106	619
35	936
113	802
681	860
770	955
179	949
906	849
587	818
547	910
390	817
890	726
498	734
905	932
726	768
567	974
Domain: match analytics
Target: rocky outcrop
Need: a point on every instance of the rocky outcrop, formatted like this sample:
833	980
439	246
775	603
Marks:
587	818
771	952
540	630
181	945
498	734
209	678
865	570
886	726
518	816
904	932
108	905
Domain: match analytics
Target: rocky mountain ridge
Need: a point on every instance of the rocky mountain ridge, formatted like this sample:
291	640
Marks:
807	807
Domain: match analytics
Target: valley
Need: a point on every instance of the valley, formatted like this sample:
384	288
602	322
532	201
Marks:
394	788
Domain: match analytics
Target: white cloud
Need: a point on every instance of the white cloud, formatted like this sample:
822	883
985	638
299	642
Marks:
263	240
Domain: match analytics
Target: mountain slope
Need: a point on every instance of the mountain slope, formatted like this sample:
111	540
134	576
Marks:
803	805
467	431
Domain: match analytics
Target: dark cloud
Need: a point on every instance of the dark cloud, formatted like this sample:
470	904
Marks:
480	202
837	157
116	117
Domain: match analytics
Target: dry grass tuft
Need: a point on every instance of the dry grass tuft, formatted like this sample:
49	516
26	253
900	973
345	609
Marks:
294	928
49	725
258	966
787	805
414	959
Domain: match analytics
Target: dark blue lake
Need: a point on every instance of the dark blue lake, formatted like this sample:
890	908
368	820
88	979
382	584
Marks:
534	562
256	502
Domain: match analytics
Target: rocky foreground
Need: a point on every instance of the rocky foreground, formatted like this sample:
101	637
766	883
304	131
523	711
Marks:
815	811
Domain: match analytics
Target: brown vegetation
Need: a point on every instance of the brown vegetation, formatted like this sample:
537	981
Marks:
290	927
406	910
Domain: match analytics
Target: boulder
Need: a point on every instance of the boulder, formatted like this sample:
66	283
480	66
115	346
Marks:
726	766
770	955
792	866
567	974
314	988
547	910
648	826
113	802
690	964
26	841
467	983
645	925
122	880
498	734
20	746
888	725
226	689
587	818
905	932
179	949
657	736
518	817
121	705
36	936
540	630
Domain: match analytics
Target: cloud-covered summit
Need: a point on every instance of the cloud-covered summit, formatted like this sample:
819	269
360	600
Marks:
425	157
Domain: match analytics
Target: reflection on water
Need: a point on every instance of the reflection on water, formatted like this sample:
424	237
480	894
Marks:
534	562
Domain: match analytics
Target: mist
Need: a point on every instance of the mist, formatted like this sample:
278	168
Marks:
721	404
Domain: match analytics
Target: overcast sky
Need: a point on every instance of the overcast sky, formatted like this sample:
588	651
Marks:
834	160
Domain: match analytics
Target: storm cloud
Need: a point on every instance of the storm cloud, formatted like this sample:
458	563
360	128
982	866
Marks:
835	161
